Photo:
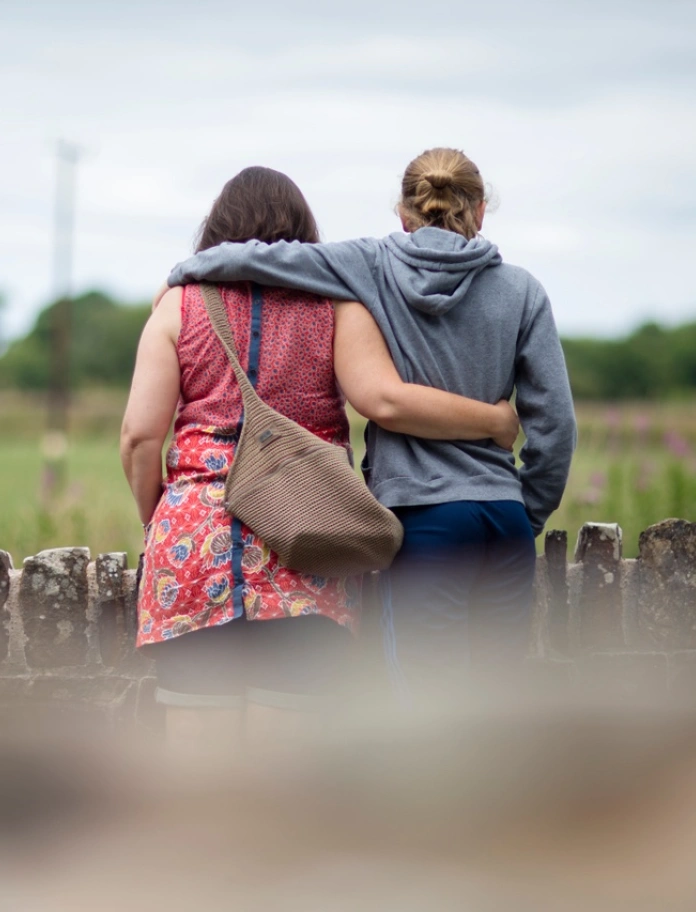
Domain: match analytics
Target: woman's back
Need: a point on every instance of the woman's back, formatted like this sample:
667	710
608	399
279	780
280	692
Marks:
457	318
285	336
205	573
201	570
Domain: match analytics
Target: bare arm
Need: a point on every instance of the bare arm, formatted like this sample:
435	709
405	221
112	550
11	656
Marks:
159	294
367	376
152	403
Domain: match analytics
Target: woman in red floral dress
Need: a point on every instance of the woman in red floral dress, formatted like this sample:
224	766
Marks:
206	576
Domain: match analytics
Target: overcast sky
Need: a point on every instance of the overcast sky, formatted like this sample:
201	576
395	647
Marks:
581	116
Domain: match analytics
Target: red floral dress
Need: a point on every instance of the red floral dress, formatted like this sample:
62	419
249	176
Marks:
202	567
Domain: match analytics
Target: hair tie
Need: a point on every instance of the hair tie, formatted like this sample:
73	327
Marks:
439	179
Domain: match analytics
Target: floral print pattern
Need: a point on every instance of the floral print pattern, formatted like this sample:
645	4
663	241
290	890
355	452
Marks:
196	572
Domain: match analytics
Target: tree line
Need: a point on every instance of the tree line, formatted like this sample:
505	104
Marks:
103	340
653	362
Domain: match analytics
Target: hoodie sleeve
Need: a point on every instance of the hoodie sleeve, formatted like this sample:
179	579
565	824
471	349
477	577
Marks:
545	406
342	270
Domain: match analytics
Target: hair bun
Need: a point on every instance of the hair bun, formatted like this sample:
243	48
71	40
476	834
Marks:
439	179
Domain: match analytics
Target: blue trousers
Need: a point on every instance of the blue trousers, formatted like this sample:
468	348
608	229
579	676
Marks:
458	596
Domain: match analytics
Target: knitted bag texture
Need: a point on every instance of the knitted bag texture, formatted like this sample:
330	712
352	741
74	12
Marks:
298	493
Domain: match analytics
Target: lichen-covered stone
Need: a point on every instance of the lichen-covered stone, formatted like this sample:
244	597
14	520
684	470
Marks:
599	542
113	645
556	550
667	603
630	587
53	600
615	627
133	659
131	582
5	567
110	569
600	604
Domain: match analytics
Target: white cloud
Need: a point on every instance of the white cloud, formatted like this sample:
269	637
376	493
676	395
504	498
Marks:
584	124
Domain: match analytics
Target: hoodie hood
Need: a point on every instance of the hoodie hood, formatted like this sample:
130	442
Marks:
434	268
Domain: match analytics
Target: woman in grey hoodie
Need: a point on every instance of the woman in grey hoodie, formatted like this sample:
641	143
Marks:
454	316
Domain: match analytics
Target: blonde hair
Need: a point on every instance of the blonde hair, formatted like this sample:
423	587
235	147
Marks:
442	188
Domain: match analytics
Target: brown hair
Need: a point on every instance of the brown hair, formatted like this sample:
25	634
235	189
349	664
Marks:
262	204
442	188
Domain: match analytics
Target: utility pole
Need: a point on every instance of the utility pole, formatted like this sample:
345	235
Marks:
55	442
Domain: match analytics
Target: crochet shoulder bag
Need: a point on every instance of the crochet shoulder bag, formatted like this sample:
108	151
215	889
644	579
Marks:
298	493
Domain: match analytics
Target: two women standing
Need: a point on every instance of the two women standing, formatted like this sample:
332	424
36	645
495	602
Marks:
456	322
454	317
208	580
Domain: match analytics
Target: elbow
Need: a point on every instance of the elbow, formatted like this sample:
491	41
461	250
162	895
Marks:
130	439
127	447
568	438
134	438
386	411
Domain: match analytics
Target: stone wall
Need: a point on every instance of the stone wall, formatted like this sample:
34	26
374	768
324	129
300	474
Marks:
617	625
67	637
67	624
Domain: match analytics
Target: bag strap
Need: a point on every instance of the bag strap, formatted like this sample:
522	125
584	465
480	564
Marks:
221	324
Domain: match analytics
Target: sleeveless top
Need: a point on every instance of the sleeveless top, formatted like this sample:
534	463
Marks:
203	567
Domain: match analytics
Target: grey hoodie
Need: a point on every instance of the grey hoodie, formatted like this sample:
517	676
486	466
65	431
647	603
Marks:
454	317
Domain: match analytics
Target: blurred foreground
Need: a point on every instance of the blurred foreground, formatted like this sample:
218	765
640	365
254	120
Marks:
496	805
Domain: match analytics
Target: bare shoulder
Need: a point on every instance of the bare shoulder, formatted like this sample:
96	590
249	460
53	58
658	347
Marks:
171	300
167	315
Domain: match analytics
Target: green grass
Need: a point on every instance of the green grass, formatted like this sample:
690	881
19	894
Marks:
96	508
635	465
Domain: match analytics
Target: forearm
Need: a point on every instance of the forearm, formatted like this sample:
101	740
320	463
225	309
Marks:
328	270
422	411
546	456
142	464
543	483
550	429
372	385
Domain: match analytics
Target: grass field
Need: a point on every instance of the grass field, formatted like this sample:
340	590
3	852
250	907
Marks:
635	465
96	507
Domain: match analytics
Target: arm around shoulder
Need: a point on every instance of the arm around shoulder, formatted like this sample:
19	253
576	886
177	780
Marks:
341	270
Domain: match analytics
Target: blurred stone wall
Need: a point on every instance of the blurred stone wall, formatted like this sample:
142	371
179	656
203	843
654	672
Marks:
611	624
67	624
67	635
